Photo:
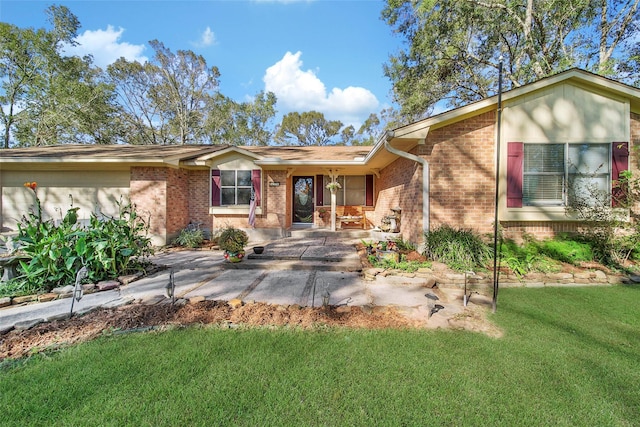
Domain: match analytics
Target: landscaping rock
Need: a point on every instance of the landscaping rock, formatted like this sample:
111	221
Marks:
63	290
5	302
154	300
343	309
118	302
560	276
107	285
125	280
600	276
58	317
88	288
197	299
24	299
235	303
27	324
47	297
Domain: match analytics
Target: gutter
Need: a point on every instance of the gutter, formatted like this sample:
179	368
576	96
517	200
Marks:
425	177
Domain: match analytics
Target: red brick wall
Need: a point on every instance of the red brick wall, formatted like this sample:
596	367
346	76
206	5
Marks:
148	191
462	179
199	198
178	213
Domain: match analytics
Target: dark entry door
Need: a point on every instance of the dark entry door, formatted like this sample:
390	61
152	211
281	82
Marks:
303	199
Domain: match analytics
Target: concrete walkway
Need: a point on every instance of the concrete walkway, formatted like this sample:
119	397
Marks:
289	271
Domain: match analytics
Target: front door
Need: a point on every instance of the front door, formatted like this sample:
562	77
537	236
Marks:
303	200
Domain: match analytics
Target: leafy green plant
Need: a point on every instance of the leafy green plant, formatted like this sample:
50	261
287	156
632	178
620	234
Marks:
108	247
403	264
460	249
190	238
612	232
232	240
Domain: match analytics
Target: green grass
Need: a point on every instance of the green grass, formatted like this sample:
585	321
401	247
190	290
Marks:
569	357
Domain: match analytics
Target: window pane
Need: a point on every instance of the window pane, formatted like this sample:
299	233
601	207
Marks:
354	190
540	158
244	196
542	189
589	190
244	178
228	178
589	158
327	193
228	196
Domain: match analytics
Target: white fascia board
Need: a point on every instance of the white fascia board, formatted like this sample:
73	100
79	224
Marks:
268	162
202	160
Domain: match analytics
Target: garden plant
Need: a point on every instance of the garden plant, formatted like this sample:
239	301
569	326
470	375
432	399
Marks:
108	247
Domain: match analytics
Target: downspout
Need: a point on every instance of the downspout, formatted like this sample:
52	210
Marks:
425	176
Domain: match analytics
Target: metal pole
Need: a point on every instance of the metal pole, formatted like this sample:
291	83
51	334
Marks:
494	302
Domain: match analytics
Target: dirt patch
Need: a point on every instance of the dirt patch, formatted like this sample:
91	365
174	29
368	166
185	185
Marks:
49	336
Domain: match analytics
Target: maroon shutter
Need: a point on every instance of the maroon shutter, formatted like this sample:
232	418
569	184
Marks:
515	161
619	163
319	190
256	181
215	187
368	190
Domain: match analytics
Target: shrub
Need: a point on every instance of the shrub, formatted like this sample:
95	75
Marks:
109	247
190	238
460	249
612	232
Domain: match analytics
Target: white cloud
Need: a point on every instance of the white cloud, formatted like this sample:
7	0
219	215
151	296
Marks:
301	91
105	47
207	38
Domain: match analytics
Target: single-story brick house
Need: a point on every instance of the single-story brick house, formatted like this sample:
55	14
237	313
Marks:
573	124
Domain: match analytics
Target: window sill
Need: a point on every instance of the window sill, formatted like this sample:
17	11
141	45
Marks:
232	210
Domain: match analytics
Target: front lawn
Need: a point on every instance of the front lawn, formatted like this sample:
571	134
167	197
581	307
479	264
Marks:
569	356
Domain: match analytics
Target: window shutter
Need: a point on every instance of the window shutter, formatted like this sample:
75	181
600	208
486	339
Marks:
215	187
256	181
368	190
319	190
619	163
515	159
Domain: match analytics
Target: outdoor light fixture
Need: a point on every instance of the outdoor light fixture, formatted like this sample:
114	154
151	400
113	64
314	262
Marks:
170	289
78	292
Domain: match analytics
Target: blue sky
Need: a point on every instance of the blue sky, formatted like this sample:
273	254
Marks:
323	55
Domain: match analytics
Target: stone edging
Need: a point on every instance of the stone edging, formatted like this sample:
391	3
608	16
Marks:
583	278
67	291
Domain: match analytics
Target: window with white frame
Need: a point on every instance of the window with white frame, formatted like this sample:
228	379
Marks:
555	174
235	187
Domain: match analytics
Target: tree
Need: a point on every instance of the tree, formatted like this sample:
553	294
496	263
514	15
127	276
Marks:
245	123
309	128
49	98
165	99
454	46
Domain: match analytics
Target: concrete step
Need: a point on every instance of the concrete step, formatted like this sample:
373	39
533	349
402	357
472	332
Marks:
293	264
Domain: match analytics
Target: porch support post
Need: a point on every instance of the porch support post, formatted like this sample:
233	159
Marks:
333	210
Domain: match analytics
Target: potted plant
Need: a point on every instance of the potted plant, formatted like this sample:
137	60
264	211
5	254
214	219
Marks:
232	241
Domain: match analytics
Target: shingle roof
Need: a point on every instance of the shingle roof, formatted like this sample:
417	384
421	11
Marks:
329	153
163	153
107	152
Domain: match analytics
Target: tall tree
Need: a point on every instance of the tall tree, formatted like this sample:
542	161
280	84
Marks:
165	99
308	128
49	98
244	123
454	46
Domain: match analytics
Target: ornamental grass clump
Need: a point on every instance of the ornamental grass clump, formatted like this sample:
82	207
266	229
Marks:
460	249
